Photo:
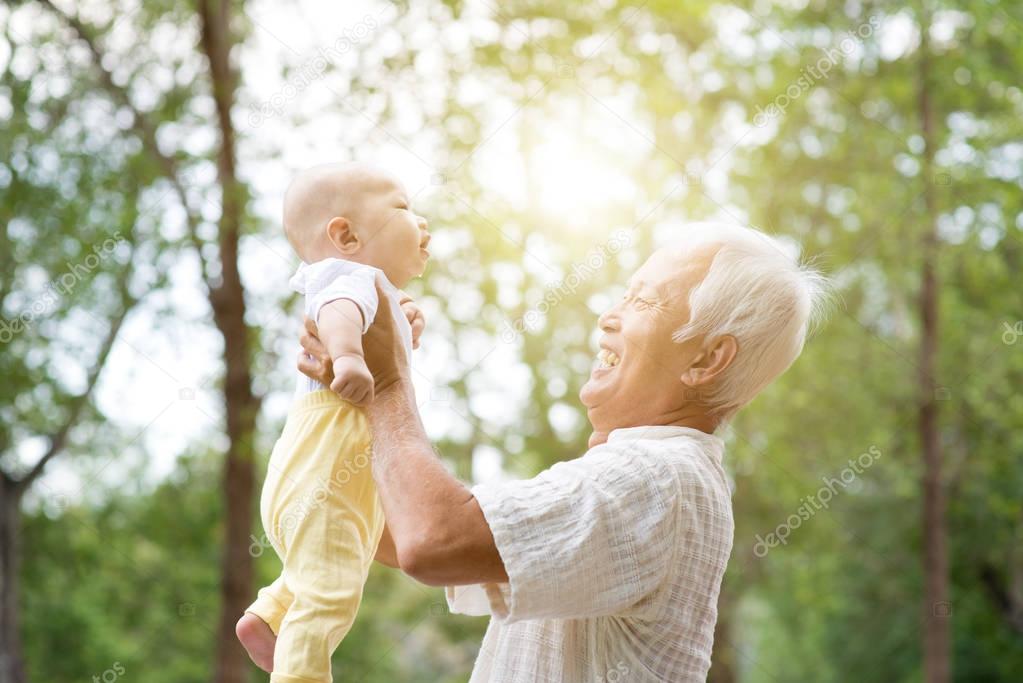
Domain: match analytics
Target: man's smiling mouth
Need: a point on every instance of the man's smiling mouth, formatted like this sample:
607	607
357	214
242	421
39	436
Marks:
607	359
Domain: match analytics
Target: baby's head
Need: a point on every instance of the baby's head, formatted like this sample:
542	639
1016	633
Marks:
357	213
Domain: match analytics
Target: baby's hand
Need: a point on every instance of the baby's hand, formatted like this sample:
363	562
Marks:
415	319
352	380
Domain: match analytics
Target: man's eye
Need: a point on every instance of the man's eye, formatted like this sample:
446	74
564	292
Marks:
638	302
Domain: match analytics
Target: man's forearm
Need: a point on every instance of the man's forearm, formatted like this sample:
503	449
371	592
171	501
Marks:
439	531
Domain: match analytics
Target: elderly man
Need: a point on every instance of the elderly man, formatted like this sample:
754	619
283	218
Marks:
606	567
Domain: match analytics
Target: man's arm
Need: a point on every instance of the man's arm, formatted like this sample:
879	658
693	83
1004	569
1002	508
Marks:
387	555
440	535
439	532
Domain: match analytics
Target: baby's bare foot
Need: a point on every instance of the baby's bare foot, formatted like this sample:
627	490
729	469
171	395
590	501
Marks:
259	641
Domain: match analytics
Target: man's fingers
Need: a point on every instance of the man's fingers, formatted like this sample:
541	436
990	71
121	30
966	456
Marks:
307	364
307	342
312	345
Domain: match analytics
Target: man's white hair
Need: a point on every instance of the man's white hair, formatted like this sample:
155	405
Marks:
759	292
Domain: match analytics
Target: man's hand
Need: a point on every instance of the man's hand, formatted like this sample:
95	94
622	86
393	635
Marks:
313	359
352	380
415	318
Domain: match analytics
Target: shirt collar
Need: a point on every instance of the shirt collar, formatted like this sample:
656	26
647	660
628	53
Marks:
662	432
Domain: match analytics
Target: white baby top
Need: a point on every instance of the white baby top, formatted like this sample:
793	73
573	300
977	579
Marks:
332	279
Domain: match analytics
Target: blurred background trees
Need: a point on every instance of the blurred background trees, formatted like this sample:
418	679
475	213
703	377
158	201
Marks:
551	147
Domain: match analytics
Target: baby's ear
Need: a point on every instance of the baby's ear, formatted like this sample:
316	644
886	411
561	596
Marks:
342	235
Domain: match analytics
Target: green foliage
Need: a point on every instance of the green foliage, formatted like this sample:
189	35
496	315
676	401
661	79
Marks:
134	580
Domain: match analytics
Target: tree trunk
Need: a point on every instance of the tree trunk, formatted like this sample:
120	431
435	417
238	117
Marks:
12	663
937	610
241	406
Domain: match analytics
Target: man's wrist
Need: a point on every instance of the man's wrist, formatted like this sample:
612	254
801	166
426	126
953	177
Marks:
391	396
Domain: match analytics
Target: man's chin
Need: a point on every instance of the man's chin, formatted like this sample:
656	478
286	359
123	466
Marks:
591	399
586	395
594	392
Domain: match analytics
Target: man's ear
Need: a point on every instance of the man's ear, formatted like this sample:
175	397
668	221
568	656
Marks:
342	235
709	365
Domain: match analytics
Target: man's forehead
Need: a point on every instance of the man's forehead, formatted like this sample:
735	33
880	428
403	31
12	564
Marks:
674	266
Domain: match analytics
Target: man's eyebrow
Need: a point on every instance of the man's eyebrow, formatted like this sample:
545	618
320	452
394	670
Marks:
644	286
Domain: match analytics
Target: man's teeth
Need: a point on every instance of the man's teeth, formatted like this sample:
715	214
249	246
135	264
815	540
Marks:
608	359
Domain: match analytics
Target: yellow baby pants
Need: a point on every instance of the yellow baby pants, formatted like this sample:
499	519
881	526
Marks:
321	512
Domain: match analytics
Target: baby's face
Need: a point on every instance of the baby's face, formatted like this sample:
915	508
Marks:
393	238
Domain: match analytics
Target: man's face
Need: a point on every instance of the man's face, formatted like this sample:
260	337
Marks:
637	378
397	238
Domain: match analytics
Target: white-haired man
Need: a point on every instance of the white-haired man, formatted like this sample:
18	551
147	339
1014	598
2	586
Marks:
606	567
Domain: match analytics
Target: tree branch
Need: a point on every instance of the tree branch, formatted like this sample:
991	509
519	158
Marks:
1001	597
58	440
142	127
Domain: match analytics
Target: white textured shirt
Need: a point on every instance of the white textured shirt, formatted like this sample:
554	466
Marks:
614	564
332	279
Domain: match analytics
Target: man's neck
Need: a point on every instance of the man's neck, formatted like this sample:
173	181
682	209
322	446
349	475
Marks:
694	417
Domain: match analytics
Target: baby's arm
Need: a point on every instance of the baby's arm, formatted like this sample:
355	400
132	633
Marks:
340	323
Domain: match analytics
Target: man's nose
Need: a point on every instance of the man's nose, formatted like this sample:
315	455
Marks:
609	321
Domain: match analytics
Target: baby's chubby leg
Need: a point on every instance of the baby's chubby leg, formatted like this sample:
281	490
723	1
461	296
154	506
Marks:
323	500
328	579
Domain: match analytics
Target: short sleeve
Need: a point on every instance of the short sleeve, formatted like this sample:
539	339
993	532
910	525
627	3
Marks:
588	537
357	286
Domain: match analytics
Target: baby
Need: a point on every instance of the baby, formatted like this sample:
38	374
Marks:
349	224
